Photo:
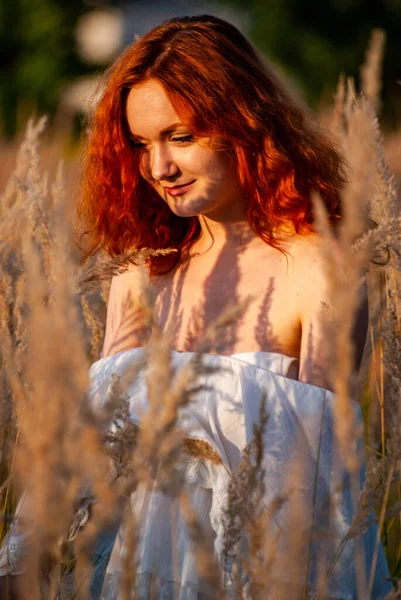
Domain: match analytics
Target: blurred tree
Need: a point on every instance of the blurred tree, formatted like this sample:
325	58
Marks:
38	56
313	41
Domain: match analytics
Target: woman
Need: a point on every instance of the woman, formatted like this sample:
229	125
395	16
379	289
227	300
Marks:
197	145
250	158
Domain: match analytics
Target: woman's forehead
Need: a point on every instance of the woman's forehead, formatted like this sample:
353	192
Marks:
149	110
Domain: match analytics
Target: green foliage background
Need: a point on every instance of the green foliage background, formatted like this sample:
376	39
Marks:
37	57
312	42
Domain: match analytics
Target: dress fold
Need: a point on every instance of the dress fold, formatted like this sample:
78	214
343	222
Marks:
301	462
298	442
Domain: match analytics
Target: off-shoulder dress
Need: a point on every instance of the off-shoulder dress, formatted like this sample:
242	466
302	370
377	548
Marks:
300	422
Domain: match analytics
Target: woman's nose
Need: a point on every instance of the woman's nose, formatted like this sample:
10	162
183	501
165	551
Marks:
162	165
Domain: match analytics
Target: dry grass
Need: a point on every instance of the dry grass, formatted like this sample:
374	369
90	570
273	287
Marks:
77	470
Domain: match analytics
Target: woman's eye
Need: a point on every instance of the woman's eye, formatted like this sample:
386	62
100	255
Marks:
137	145
185	138
182	139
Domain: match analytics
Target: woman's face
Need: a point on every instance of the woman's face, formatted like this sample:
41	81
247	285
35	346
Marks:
171	156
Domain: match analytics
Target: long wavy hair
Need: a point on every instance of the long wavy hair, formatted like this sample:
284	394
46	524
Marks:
220	88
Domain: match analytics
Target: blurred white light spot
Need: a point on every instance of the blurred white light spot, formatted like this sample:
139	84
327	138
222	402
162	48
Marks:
82	94
99	35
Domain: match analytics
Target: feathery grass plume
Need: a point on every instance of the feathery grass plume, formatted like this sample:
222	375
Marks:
160	439
49	277
129	560
201	450
384	246
104	269
12	389
336	124
120	440
344	276
243	548
381	522
95	326
371	83
263	549
380	243
158	433
349	102
12	198
45	349
8	422
362	519
206	562
390	366
45	364
36	200
12	338
384	207
52	458
140	467
389	444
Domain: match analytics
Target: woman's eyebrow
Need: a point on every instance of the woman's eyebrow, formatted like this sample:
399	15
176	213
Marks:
163	132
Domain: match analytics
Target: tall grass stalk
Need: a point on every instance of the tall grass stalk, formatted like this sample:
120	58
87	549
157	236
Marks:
64	450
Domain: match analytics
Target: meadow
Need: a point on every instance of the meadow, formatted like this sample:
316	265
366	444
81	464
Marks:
71	476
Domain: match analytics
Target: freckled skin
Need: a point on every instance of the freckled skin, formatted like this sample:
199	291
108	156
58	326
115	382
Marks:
169	161
227	245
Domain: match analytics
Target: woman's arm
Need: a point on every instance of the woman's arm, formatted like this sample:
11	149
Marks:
315	310
125	323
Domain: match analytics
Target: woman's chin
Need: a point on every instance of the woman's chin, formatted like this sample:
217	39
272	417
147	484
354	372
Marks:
186	208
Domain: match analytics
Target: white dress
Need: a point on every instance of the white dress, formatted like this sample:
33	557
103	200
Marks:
224	418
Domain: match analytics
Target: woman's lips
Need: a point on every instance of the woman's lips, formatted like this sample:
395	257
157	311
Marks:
178	191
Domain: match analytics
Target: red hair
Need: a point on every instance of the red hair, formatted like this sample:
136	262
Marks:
220	88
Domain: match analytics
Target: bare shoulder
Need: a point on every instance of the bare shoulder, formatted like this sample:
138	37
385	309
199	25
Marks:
310	264
124	321
306	248
316	304
132	273
311	273
313	302
309	268
130	283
